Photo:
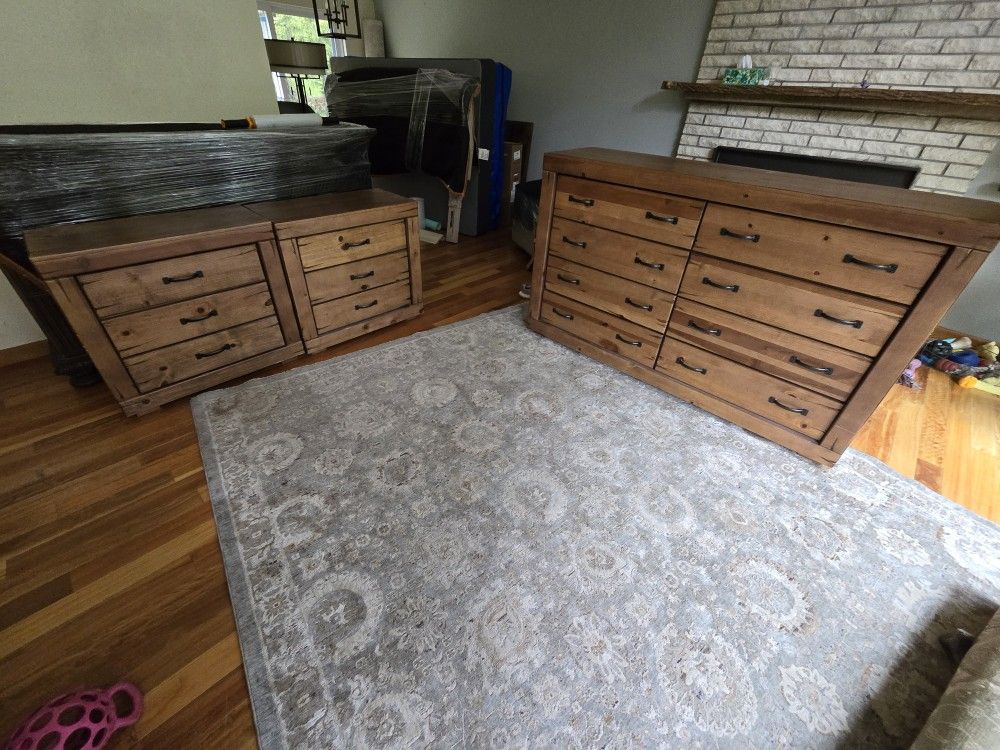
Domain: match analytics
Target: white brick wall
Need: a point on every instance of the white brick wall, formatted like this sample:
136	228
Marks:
939	44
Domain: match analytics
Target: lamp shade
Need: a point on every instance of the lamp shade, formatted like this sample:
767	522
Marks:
297	58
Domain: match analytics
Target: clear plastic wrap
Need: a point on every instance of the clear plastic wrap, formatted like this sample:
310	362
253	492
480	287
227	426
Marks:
422	118
49	178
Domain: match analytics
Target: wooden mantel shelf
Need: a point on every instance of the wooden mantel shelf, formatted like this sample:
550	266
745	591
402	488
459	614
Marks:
903	101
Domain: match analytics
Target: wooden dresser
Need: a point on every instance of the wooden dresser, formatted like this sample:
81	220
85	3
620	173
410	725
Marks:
786	304
170	304
352	259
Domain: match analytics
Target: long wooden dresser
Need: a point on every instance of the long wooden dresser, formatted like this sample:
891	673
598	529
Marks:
786	304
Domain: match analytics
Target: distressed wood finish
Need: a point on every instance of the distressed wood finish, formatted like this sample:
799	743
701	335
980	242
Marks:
664	218
798	292
748	388
360	276
352	261
772	350
333	248
347	310
792	304
601	329
645	262
170	287
171	364
819	252
140	332
640	304
139	287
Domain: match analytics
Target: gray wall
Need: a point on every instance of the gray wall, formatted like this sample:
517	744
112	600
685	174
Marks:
977	311
586	73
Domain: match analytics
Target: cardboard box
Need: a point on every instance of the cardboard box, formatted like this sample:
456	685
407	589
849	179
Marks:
512	164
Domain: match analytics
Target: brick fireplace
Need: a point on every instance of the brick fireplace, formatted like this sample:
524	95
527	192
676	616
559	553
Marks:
945	46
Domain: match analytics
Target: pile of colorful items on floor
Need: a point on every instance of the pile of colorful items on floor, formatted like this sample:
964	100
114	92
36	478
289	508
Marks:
970	366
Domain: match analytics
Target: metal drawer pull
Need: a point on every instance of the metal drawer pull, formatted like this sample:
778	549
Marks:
178	279
561	314
821	370
647	308
568	279
206	316
773	400
727	287
686	366
581	201
370	304
658	217
568	241
630	342
841	321
356	276
709	331
887	267
736	235
362	243
647	264
220	350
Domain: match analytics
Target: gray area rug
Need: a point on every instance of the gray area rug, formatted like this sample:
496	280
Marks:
476	537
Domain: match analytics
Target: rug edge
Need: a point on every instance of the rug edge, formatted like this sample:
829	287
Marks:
263	707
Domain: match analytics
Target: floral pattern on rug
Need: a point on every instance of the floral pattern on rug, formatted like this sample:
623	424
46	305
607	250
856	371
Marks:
476	537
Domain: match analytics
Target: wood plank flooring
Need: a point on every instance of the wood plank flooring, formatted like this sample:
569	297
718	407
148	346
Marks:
109	564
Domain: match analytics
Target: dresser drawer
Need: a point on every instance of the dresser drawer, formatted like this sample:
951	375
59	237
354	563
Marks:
861	324
359	276
144	331
655	216
172	364
790	405
123	290
646	262
346	310
622	298
880	265
606	331
333	248
813	364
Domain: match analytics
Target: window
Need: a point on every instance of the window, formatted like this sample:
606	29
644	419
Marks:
295	22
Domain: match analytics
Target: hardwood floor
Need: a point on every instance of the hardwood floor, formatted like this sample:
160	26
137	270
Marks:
109	564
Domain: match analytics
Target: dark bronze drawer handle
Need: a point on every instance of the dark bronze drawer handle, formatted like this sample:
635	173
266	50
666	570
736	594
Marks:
887	267
568	241
364	307
220	350
805	365
362	243
709	331
581	201
736	235
630	342
841	321
178	279
686	366
773	400
658	217
356	276
647	308
647	264
561	314
568	279
727	287
206	316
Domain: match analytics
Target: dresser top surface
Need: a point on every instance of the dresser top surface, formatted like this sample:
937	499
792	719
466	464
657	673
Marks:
92	236
954	220
292	210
